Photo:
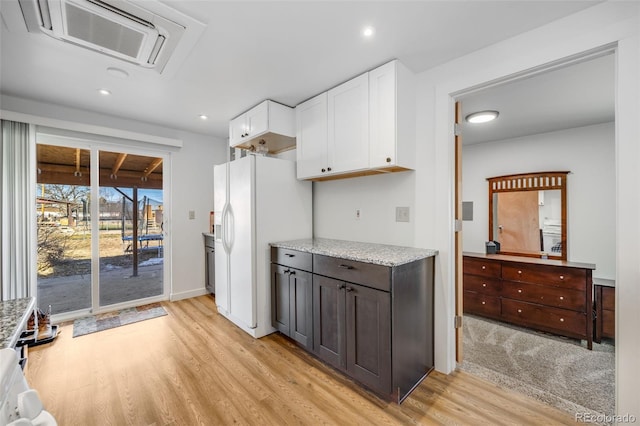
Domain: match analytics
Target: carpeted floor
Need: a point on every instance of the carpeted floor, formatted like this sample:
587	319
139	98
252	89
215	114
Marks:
558	371
109	320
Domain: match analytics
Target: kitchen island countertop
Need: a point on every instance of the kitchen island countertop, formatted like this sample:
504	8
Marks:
379	254
14	315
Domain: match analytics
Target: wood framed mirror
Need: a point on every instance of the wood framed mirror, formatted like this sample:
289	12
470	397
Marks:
528	214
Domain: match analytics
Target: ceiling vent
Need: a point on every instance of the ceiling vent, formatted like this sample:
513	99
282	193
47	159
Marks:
117	28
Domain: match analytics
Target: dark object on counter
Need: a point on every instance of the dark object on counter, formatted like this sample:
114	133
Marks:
491	247
210	262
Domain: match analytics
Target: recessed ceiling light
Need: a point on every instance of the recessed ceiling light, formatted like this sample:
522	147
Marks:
203	117
368	32
104	92
117	72
482	116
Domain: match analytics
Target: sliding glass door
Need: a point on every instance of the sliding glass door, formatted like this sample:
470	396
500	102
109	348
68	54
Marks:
100	227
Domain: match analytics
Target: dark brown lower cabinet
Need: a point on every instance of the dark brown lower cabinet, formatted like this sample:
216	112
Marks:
291	303
353	330
373	323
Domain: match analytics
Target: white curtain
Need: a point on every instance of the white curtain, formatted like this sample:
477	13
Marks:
17	233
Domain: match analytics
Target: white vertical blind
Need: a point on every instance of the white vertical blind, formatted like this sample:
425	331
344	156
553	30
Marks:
18	210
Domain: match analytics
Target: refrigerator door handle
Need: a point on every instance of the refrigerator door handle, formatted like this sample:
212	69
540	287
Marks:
223	228
230	232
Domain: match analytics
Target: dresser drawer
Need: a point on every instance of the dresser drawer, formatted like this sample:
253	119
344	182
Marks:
367	274
551	296
292	258
528	314
545	275
482	267
484	285
480	304
609	324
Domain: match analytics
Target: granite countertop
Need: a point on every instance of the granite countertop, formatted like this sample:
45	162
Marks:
379	254
14	315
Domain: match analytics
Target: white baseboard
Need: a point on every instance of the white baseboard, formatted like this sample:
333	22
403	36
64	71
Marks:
188	294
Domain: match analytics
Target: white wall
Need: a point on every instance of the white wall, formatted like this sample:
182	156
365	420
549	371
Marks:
600	25
191	187
587	152
335	203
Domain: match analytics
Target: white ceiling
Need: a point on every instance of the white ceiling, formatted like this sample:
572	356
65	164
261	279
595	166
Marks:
251	51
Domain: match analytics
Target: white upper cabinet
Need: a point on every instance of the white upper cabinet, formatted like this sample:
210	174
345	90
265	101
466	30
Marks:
311	137
391	117
348	141
370	126
268	121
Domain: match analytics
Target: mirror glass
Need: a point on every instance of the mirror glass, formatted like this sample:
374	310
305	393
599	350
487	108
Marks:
528	222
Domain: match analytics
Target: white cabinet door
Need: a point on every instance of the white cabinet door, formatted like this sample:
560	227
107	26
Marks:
348	141
311	137
382	116
238	130
257	119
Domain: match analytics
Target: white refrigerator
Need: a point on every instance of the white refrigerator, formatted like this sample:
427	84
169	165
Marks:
257	200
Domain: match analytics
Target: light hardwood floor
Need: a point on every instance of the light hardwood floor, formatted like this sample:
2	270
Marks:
193	367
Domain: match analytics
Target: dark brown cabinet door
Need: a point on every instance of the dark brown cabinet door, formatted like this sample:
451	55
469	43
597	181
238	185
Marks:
280	299
368	336
328	320
301	307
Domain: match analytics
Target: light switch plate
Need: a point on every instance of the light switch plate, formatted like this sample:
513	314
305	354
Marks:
402	214
192	214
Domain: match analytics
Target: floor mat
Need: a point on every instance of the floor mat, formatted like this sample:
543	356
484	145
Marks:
109	320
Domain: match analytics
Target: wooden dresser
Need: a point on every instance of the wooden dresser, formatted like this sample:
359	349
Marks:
548	295
605	301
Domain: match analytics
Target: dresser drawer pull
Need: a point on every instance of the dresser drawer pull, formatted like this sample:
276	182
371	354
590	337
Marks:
562	277
519	311
519	272
345	266
561	297
484	267
519	290
484	284
561	319
484	303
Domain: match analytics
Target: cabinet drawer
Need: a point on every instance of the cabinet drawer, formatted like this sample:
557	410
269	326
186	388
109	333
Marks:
476	303
545	275
292	258
529	314
544	295
482	267
484	285
609	298
367	274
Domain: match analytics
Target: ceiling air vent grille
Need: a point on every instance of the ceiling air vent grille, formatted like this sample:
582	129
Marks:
117	28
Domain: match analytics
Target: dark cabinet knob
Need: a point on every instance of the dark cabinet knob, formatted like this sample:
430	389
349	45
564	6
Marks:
341	286
323	170
345	266
349	289
292	272
290	255
329	169
388	159
288	271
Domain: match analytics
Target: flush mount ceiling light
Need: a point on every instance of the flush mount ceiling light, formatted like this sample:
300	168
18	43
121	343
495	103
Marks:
368	32
203	117
104	92
482	117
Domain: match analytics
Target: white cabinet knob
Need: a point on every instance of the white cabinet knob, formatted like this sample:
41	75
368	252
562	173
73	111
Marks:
483	303
519	291
484	284
562	277
484	267
519	311
561	319
561	297
519	272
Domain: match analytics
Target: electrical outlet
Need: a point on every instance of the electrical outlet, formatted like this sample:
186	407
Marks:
402	214
192	214
358	214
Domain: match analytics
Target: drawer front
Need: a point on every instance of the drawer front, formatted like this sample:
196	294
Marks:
609	324
609	298
292	258
484	285
545	275
480	304
537	316
550	296
482	267
367	274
